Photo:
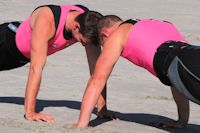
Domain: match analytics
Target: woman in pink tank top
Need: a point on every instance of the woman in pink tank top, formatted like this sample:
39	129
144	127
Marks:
49	29
154	45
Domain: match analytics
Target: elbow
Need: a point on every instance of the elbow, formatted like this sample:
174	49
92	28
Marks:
36	69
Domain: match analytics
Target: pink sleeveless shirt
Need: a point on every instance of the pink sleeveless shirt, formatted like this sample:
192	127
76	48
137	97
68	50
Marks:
24	32
144	38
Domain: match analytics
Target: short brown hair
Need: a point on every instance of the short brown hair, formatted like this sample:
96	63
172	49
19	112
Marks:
88	25
106	22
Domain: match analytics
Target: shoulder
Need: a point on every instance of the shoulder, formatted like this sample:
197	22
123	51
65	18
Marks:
121	34
42	23
42	15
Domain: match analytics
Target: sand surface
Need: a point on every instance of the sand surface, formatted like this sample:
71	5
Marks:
135	95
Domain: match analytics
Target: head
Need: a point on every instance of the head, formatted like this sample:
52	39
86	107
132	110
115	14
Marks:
85	29
106	25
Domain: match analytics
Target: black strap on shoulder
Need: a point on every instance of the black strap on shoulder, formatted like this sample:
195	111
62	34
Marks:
83	7
56	10
67	35
130	21
39	7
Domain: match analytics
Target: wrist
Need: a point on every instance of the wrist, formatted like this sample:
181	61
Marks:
29	106
83	121
82	124
101	110
101	104
29	111
28	114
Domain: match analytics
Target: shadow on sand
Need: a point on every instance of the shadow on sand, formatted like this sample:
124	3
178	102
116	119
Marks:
140	118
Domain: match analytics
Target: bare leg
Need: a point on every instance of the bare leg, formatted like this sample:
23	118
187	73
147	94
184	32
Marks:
183	111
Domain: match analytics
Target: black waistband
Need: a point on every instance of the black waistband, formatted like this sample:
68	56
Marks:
163	58
12	47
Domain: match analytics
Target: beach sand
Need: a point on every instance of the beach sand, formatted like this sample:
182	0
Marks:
135	95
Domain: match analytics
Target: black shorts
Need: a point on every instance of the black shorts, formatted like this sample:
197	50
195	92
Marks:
163	58
10	56
177	64
189	70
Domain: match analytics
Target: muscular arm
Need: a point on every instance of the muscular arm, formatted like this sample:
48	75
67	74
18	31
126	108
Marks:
98	79
93	53
42	32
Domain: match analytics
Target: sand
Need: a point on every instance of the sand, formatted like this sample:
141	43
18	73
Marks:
134	94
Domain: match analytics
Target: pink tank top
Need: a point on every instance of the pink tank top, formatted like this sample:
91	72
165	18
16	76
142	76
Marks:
24	32
144	38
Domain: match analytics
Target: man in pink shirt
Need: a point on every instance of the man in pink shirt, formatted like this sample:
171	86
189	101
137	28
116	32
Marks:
158	47
49	29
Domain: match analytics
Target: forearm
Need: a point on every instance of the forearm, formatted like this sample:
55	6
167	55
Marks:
93	53
89	100
32	88
96	84
101	103
40	38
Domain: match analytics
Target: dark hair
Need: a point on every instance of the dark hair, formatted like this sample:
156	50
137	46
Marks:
106	22
88	25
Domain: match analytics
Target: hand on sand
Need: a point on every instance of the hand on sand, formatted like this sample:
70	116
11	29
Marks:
171	124
80	126
39	117
107	114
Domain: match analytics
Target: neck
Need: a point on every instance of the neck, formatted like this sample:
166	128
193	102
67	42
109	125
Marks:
117	24
70	20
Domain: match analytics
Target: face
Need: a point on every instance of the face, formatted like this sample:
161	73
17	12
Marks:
78	36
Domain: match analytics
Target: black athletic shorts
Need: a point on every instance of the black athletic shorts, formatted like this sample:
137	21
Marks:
163	58
178	64
10	56
189	69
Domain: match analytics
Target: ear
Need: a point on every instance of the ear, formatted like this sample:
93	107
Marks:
76	27
103	37
104	34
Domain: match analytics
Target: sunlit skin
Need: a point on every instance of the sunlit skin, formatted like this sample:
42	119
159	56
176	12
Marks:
41	18
113	41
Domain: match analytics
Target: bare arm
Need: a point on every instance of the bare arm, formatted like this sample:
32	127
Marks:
93	53
109	56
42	32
